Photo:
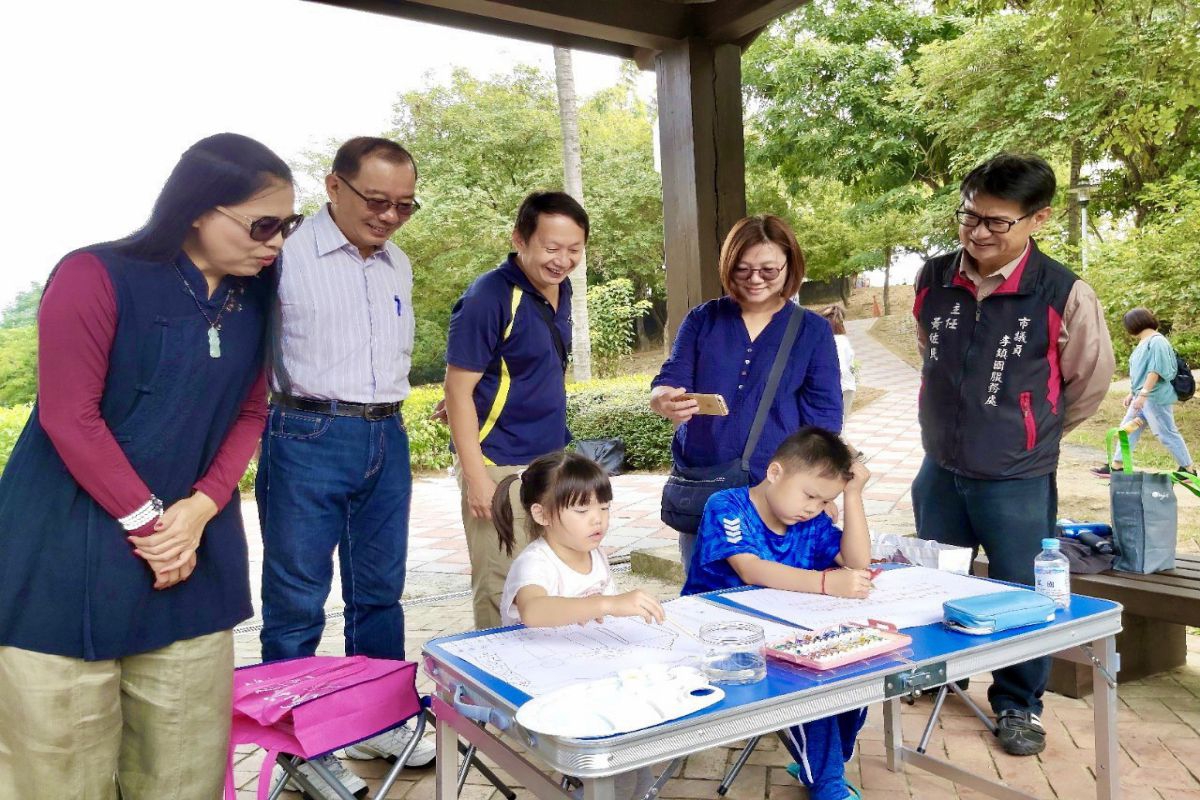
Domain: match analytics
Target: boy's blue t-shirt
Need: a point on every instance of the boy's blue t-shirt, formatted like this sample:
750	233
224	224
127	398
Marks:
731	525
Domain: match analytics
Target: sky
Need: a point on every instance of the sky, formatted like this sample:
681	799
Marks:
102	97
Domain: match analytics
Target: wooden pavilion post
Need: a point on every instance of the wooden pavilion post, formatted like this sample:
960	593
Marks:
703	166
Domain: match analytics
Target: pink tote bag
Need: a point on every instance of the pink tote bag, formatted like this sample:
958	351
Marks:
312	706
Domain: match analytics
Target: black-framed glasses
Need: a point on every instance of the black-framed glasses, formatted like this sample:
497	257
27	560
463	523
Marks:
994	224
379	205
767	273
264	229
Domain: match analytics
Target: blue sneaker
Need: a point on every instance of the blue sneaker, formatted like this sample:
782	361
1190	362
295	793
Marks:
793	769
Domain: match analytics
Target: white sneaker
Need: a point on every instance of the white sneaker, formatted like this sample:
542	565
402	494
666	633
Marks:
354	784
390	745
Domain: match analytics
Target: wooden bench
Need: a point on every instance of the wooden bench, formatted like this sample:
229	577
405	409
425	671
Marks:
1158	609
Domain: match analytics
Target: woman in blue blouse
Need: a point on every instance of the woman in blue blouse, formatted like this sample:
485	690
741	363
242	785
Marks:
1151	400
726	347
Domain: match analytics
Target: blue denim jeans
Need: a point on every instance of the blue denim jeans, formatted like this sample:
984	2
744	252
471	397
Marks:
1009	519
327	483
1160	418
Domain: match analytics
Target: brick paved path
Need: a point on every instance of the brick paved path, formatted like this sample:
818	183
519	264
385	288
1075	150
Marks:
1159	718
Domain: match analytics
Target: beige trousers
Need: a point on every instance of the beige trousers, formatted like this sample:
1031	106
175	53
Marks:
489	564
156	724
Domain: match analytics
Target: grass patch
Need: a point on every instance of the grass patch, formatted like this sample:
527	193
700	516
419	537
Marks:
898	333
1150	453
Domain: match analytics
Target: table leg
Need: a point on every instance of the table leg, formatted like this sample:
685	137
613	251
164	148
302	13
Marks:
600	789
893	735
446	742
1104	697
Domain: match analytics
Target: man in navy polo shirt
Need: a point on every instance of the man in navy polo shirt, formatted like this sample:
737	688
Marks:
506	358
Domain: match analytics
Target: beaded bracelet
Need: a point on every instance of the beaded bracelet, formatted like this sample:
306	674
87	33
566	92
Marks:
149	511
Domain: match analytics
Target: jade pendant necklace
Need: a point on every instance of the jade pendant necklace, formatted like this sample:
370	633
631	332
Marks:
214	325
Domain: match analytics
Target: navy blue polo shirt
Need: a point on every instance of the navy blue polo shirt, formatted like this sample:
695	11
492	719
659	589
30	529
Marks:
497	328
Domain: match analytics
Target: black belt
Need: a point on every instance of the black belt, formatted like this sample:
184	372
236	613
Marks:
338	408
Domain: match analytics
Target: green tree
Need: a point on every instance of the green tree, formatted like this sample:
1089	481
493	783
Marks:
862	167
22	311
1116	84
18	365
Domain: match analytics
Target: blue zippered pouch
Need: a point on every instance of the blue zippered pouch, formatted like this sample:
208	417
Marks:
997	611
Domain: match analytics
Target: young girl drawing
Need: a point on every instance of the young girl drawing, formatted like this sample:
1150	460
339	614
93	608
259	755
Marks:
562	577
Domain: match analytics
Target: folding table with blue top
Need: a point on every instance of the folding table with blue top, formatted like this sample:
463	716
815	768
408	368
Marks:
481	708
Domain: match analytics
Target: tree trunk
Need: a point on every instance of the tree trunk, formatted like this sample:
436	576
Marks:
887	280
1073	212
581	340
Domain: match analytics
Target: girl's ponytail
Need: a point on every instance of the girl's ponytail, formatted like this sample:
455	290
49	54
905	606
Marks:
502	513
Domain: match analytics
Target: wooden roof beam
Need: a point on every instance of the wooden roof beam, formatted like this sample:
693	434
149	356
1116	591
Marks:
612	27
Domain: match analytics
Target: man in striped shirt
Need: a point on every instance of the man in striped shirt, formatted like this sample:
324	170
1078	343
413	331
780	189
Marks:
334	471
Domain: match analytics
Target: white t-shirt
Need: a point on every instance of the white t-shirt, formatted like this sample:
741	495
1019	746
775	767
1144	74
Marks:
846	361
537	565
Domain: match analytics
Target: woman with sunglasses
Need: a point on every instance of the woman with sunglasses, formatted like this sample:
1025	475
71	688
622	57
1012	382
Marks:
124	565
727	347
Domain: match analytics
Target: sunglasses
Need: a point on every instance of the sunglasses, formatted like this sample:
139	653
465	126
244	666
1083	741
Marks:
379	205
767	273
264	229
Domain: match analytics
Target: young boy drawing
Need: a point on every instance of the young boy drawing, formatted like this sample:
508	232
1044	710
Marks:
776	535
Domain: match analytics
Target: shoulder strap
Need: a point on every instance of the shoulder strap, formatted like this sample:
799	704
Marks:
764	405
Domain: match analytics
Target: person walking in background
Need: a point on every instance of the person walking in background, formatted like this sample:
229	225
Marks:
1015	354
727	347
1151	399
124	564
506	393
334	472
836	315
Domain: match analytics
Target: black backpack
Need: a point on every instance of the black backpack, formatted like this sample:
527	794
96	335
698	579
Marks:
1183	383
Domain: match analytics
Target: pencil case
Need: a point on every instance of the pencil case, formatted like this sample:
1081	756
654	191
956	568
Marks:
997	611
838	645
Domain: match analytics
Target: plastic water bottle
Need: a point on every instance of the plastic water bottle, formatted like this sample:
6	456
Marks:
1052	574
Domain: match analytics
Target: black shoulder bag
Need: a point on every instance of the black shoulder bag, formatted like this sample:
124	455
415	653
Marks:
688	488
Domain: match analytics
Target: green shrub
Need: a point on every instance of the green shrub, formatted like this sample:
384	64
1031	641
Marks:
619	408
18	365
246	484
428	441
599	409
12	422
613	308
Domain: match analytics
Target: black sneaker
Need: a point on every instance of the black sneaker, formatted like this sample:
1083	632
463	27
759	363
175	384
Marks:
1102	471
1020	732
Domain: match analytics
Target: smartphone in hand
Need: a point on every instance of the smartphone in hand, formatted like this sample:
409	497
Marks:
713	404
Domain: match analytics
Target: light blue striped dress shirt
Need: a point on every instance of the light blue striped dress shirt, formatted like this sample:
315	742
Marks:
346	324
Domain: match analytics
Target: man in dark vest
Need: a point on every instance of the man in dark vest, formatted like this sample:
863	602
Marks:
1016	353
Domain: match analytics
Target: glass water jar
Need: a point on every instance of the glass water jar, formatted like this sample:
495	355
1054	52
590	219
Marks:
734	652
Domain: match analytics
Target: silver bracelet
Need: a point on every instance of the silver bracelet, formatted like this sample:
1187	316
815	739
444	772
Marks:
149	511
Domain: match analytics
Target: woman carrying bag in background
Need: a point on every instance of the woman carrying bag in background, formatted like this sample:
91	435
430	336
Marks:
1151	400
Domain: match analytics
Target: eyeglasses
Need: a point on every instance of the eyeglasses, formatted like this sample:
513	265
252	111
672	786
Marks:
993	224
378	205
264	229
767	273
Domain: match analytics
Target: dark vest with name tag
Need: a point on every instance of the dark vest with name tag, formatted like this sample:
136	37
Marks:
70	583
991	402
